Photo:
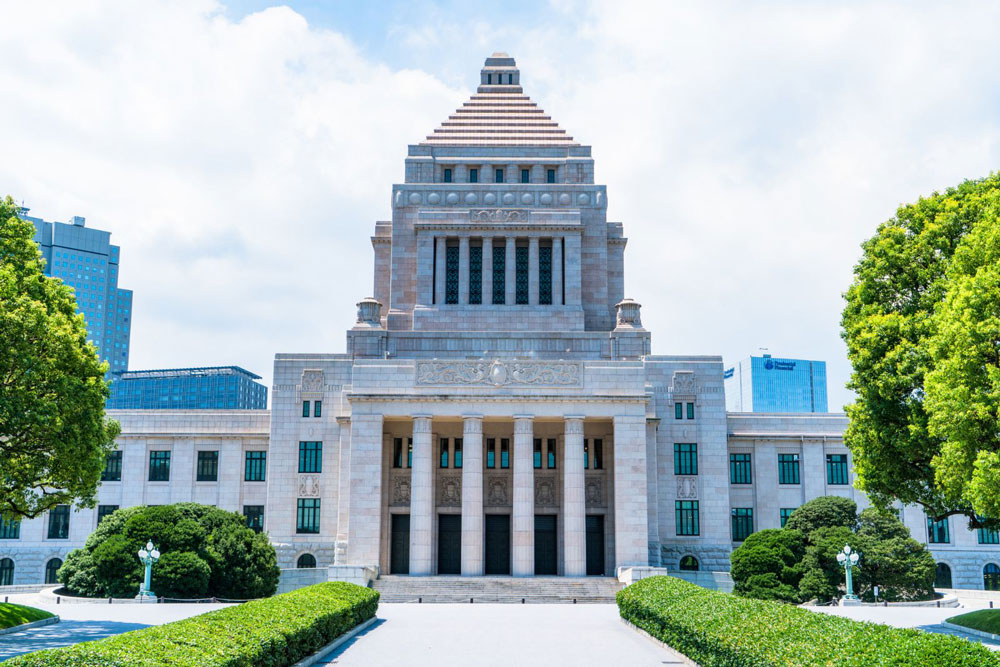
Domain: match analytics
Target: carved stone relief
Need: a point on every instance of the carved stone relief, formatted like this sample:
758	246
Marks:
400	493
594	493
684	382
687	487
545	492
499	373
498	215
312	381
309	486
449	491
497	493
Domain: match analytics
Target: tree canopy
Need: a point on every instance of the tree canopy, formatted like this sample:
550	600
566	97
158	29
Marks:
53	433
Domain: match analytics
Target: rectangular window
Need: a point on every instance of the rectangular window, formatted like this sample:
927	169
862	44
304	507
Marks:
458	452
784	513
499	272
678	411
255	517
586	454
443	442
59	522
525	176
739	469
310	457
685	458
742	523
987	536
208	466
690	407
545	275
504	453
475	274
451	274
937	531
473	176
537	454
686	514
521	275
550	175
447	175
103	511
788	469
256	466
317	408
551	448
307	516
409	452
10	529
598	454
499	176
397	452
836	468
305	408
112	467
159	466
491	458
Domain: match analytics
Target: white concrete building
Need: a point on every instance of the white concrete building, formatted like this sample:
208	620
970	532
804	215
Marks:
497	410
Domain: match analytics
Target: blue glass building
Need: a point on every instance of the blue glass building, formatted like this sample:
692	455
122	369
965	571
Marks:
210	388
770	384
85	260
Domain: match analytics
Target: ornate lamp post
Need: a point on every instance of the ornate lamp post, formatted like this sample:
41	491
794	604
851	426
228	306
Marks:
848	559
148	555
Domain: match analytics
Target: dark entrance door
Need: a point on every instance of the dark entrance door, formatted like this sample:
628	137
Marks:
497	544
399	546
449	544
595	545
545	544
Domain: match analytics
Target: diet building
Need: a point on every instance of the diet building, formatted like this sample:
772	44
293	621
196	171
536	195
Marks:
497	410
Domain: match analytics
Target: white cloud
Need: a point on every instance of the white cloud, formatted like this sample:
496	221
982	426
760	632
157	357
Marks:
748	148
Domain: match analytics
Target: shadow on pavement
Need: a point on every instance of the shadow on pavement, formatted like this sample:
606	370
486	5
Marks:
350	642
59	634
944	630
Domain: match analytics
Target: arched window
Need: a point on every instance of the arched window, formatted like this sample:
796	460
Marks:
51	570
306	560
991	577
6	572
689	563
942	576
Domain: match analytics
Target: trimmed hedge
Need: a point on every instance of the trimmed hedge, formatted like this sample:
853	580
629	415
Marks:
275	632
716	629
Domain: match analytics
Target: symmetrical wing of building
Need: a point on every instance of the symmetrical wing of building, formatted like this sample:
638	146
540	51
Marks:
497	410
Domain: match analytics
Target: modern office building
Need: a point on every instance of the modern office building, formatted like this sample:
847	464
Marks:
86	261
497	410
209	388
770	384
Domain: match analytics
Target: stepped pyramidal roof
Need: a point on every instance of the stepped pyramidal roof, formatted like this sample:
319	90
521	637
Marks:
499	114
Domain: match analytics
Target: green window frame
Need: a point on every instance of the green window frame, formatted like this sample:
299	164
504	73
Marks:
255	469
686	518
397	452
536	457
498	176
521	275
525	176
59	522
598	453
504	453
475	274
473	175
159	465
836	469
685	458
678	410
10	529
451	273
208	466
255	517
112	467
788	469
784	513
310	456
499	272
545	275
443	442
740	469
317	408
105	511
307	516
447	175
987	536
550	175
742	523
690	410
491	453
6	572
550	452
305	408
938	532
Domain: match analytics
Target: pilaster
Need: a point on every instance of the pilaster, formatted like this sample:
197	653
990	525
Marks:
472	496
574	500
523	515
422	498
630	491
365	490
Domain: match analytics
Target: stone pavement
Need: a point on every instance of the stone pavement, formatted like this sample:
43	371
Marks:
928	619
500	634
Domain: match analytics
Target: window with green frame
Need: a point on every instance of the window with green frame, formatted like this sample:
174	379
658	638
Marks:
545	275
937	531
987	536
317	408
255	517
742	520
457	455
521	275
307	516
159	466
788	469
105	511
451	274
112	467
59	522
678	410
739	469
784	513
305	408
536	454
10	529
499	272
208	466
686	515
256	466
685	458
836	468
690	410
476	273
310	457
443	444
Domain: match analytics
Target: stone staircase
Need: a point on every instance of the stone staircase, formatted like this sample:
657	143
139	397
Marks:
512	590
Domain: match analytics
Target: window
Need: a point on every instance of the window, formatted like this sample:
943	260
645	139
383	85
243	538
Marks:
686	512
255	517
942	576
305	408
499	272
545	275
586	454
52	571
447	175
159	466
475	274
491	459
307	516
10	529
458	452
208	466
409	452
443	442
598	454
987	536
105	511
690	410
525	176
451	274
504	452
256	466
317	408
305	561
473	176
836	468
310	457
537	456
550	175
397	452
521	275
742	523
937	531
786	512
499	176
6	572
689	564
59	522
739	469
551	449
788	468
685	458
991	577
112	467
678	411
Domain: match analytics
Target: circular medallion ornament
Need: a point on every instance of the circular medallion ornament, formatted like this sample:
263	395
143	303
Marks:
546	198
433	198
498	374
564	199
508	198
414	197
452	198
490	198
584	199
470	198
526	198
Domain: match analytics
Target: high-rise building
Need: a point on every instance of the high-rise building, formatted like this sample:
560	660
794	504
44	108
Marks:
770	384
210	388
86	261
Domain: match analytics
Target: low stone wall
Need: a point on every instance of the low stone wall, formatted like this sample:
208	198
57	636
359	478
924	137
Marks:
716	581
294	578
22	588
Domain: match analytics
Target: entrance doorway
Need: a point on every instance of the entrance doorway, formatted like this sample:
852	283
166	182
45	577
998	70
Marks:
449	544
545	544
399	546
595	545
497	544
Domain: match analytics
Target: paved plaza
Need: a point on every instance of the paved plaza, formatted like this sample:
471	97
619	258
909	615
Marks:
929	619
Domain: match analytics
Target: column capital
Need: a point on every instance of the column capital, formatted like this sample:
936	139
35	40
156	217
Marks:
421	423
472	424
573	425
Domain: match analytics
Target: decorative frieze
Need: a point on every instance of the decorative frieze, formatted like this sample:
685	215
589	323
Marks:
684	383
497	492
312	380
309	486
449	490
499	215
687	488
500	374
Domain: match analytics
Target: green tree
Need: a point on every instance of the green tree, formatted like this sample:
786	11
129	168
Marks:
53	433
768	565
822	575
919	337
181	574
823	512
900	566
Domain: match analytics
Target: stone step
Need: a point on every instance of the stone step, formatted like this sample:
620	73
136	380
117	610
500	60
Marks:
512	590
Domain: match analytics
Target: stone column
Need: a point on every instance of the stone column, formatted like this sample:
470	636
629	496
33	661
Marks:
511	277
557	273
365	490
652	495
421	498
523	515
472	496
463	269
533	270
343	492
441	243
574	501
487	270
631	547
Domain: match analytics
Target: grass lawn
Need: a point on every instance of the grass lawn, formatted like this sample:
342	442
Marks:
985	620
16	614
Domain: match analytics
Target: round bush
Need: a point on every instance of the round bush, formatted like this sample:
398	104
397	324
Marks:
181	574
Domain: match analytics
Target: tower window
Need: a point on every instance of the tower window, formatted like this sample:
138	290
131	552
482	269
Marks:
499	272
451	274
447	175
545	275
525	176
473	176
475	274
499	176
521	274
550	175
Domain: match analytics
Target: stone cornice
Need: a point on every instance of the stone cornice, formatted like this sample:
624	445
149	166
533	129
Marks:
496	398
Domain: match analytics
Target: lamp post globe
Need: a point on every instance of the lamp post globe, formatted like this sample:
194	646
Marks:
147	555
849	559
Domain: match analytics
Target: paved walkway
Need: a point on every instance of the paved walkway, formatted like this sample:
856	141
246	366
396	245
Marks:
928	619
500	634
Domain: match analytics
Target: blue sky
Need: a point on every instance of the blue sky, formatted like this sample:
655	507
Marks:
241	152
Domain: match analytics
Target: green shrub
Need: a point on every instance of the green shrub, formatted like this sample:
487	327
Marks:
241	564
823	512
768	565
718	629
275	632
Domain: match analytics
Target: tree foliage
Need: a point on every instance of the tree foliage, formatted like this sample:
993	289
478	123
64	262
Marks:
922	327
768	566
53	433
823	512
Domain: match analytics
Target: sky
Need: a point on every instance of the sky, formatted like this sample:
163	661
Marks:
240	152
